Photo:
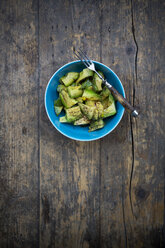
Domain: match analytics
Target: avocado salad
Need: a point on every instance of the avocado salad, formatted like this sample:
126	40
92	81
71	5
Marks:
84	99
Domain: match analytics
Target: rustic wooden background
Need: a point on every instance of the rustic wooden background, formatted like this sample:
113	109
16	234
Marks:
55	192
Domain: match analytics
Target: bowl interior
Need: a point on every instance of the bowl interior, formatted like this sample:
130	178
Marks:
79	132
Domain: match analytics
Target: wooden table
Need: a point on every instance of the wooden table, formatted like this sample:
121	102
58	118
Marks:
56	192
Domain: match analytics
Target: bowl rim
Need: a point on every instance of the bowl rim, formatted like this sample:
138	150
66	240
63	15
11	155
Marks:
45	95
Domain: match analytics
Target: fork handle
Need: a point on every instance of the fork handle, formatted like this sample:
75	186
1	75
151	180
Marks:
130	109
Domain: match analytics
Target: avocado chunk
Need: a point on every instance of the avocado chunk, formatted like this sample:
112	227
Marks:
111	98
90	95
109	106
75	91
82	121
61	87
66	100
58	106
105	103
58	102
73	114
97	82
96	125
69	78
86	84
87	111
63	119
108	101
79	99
100	109
74	84
90	88
86	73
58	109
105	93
90	103
111	110
95	115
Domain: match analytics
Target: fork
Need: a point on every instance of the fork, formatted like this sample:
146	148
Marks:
90	65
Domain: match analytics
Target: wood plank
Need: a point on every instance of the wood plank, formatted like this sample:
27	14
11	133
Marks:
118	52
69	169
148	130
18	124
141	143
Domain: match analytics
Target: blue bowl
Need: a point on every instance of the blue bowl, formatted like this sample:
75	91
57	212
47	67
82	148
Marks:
78	132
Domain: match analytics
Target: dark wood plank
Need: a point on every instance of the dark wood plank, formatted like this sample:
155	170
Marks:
118	52
148	130
18	124
132	165
69	169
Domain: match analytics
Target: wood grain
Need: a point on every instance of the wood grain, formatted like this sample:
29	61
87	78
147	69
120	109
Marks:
69	169
55	192
116	148
148	135
18	125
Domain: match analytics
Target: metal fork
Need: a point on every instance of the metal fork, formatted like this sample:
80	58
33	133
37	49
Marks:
90	65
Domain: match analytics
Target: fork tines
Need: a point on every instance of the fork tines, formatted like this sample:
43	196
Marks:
83	57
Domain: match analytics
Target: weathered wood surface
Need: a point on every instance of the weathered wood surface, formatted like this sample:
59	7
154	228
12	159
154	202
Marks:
19	183
55	192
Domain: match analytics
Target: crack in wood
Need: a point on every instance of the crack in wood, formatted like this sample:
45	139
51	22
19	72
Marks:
132	168
132	135
136	54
